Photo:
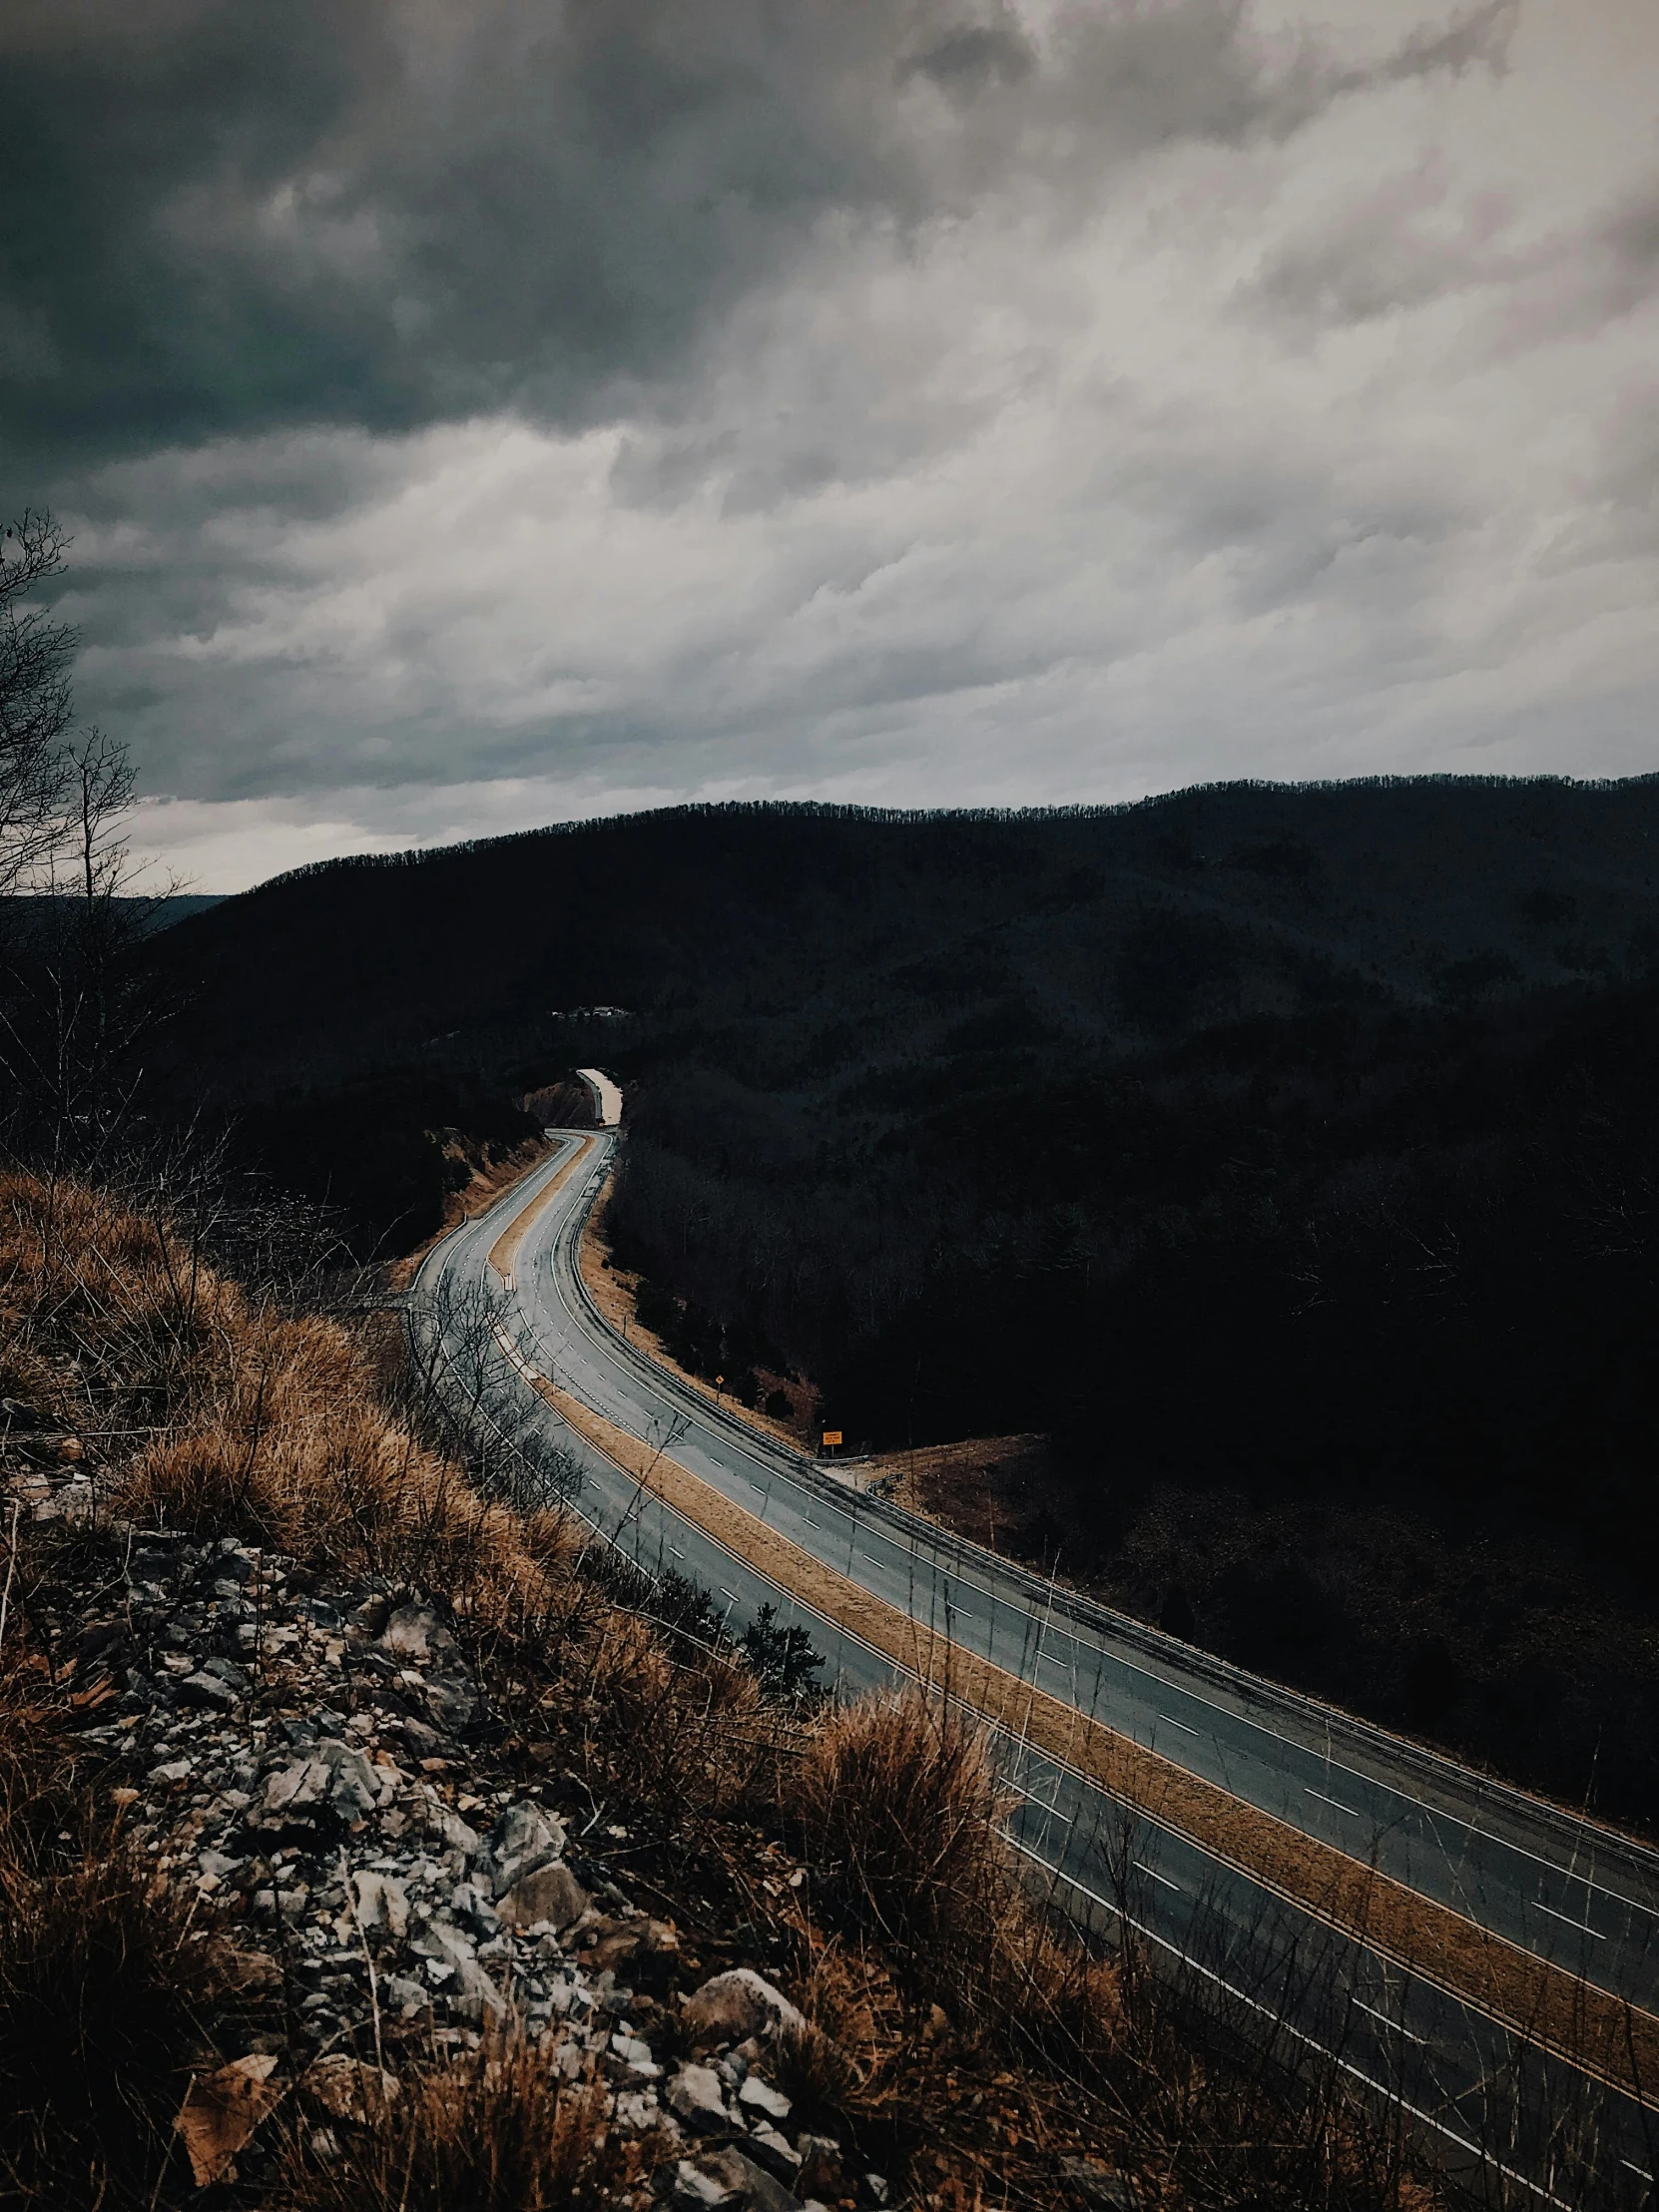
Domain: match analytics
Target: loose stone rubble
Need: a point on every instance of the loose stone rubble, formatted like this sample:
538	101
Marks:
317	1763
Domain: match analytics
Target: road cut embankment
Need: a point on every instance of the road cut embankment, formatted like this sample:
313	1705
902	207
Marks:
607	1099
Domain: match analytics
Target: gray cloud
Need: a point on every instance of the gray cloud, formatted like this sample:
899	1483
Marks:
474	416
387	213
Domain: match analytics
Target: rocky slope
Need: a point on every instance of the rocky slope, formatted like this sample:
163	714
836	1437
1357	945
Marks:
362	1845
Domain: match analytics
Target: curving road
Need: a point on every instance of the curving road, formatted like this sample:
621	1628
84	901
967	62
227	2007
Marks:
1565	1890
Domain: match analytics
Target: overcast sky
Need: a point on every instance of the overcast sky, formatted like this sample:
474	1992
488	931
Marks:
474	413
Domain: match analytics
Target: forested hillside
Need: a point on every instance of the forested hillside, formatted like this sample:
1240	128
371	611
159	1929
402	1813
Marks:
1286	1156
1079	927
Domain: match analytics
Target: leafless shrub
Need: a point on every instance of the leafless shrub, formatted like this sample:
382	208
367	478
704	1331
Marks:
900	1807
104	2003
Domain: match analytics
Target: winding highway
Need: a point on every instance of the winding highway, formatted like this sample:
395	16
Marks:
502	1312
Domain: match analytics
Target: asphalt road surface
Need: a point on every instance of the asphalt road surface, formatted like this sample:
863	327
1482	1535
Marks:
1571	1891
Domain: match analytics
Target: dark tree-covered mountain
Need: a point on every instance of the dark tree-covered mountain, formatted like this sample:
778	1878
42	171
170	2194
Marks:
1287	1149
1095	926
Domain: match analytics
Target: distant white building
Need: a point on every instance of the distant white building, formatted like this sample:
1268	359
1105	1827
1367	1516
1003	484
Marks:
607	1099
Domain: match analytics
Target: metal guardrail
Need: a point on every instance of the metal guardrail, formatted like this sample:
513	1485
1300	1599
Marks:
1454	2148
1446	1777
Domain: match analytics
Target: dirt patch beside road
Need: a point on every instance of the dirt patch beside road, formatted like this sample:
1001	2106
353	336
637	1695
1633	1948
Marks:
994	1490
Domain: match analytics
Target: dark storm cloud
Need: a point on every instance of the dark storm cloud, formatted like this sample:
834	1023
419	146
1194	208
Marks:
226	217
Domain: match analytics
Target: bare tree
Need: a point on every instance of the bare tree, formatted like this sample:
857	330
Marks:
36	706
75	1001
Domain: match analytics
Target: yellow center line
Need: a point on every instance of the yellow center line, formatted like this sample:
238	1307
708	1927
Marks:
504	1251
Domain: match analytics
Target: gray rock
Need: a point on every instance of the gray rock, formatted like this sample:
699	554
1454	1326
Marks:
760	2096
698	2192
207	1694
414	1632
404	1998
457	1835
551	1894
749	2181
379	1905
635	2056
476	1992
333	1779
471	1905
451	1703
694	2096
636	2111
523	1839
346	2088
772	2151
733	2005
1103	2186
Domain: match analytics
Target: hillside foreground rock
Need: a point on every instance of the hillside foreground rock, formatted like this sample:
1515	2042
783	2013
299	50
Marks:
367	1844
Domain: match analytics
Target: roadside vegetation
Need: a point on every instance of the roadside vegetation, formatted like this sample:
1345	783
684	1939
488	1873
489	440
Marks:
965	2043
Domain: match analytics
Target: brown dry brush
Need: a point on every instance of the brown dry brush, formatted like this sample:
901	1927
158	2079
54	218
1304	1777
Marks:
901	1811
256	1421
109	1996
901	1808
495	2132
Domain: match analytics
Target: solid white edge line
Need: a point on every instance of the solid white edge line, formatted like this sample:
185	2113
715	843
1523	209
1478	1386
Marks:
1399	2028
1060	1874
917	1556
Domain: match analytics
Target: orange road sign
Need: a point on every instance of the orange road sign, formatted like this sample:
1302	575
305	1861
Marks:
832	1435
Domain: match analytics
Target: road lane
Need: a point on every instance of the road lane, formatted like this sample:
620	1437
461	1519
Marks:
1547	1886
1538	1892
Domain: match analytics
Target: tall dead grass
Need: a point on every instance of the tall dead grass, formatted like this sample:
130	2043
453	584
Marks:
109	1996
497	2132
262	1424
901	1812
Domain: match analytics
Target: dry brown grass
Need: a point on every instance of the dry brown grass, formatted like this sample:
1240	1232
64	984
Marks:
901	1812
266	1425
105	2005
674	1742
900	1809
272	1424
108	1993
495	2132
